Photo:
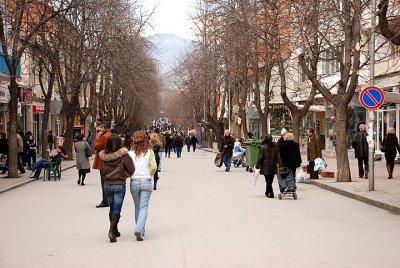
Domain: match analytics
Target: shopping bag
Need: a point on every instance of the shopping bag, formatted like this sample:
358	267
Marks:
254	177
218	160
319	164
299	175
3	160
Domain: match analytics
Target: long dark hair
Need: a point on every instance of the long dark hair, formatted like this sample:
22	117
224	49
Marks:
267	140
114	143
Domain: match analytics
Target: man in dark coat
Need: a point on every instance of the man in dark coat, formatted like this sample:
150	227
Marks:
360	145
227	149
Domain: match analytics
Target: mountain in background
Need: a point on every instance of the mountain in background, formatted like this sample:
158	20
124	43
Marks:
167	49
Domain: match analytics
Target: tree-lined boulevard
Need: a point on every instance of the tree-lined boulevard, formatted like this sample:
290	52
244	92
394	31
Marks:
200	216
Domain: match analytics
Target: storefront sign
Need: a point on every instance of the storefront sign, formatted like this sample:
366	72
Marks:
38	108
25	95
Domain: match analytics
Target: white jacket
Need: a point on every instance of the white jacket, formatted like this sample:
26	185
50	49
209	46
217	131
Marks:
145	165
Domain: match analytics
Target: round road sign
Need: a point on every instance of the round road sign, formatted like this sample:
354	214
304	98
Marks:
372	97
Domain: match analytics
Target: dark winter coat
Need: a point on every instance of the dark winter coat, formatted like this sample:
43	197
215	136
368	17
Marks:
116	167
360	144
268	159
3	146
229	142
290	154
313	148
389	145
194	141
178	141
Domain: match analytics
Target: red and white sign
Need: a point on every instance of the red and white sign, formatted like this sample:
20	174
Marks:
38	108
372	97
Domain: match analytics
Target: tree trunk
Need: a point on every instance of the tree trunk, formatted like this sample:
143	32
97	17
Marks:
343	167
69	130
264	124
12	130
296	120
45	130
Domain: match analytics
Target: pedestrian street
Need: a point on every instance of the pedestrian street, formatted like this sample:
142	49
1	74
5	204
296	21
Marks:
199	216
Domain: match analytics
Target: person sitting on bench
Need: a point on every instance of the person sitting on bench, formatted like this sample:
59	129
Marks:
55	155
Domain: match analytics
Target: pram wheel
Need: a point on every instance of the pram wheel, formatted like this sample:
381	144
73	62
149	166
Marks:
250	169
280	196
295	196
236	165
247	168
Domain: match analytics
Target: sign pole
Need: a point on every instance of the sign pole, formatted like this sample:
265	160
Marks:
371	157
371	147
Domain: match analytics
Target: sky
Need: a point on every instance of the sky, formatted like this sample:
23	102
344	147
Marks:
171	16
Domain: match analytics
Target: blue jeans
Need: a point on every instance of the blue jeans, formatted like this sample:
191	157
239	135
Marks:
179	151
37	167
141	190
227	162
115	195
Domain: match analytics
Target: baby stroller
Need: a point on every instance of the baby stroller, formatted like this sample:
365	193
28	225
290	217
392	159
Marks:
238	157
287	183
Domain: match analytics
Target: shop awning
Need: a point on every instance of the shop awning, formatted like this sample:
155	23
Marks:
392	97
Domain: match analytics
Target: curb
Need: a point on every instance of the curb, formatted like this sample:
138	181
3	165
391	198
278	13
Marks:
369	201
29	181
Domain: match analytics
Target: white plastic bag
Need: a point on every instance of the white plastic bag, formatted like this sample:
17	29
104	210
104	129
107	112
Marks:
254	177
319	164
299	175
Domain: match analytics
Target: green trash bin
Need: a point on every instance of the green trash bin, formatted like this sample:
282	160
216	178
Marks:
252	149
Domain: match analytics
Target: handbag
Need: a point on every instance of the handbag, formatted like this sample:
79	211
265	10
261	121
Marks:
218	160
88	150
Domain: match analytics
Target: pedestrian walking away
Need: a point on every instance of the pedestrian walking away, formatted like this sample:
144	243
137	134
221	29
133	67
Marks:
360	145
188	142
99	144
83	151
168	145
268	162
117	166
162	147
178	141
194	142
290	153
156	145
390	145
313	152
141	186
226	149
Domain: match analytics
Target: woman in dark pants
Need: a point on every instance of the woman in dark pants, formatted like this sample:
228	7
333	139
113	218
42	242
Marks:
268	161
389	145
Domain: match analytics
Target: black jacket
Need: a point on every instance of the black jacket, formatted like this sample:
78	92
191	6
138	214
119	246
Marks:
360	144
290	154
268	159
229	142
390	144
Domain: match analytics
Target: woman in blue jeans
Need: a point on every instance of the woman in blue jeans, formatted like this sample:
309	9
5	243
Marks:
117	166
141	181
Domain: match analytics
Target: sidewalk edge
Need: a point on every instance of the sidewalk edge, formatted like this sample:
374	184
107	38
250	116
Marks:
369	201
29	181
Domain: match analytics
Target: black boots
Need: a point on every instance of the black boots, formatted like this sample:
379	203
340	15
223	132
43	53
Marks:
155	185
117	234
113	232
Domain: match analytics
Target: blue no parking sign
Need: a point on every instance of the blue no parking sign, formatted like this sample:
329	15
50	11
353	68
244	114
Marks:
372	97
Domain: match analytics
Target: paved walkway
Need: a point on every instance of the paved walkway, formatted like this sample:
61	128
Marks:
385	196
